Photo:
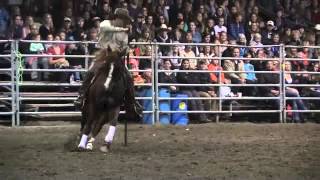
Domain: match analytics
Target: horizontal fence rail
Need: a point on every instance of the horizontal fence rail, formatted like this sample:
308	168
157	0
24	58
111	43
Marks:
16	84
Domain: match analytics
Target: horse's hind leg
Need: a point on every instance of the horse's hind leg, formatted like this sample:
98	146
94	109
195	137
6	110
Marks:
96	127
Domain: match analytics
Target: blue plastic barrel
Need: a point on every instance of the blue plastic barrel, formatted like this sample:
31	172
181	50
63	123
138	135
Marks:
147	105
180	118
164	105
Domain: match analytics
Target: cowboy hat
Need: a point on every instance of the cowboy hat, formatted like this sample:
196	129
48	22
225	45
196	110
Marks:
122	14
164	27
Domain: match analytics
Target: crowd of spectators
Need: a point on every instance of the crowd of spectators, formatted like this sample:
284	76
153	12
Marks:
251	23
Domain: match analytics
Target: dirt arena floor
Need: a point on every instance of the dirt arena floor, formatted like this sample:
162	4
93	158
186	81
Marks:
199	151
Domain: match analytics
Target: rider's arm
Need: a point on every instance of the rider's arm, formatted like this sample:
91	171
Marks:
106	26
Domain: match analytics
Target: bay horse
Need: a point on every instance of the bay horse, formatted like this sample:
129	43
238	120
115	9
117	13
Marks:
110	87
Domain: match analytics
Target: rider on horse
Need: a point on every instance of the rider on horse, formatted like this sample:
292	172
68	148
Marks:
113	41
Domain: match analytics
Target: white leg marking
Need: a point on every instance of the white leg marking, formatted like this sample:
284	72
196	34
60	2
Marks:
108	80
83	141
90	144
110	134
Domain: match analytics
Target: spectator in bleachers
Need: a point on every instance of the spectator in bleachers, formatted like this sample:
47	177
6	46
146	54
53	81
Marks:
296	37
286	36
297	65
96	23
314	79
176	62
177	35
146	37
47	26
215	76
207	52
161	8
105	11
4	20
87	20
58	62
16	29
206	91
188	11
211	6
232	14
145	12
250	77
93	37
267	33
223	40
209	28
270	78
259	65
75	63
138	25
67	29
28	22
254	29
280	20
37	62
297	104
254	19
150	26
191	78
146	63
243	42
220	27
236	27
33	31
305	54
199	22
235	65
275	41
159	21
168	77
79	33
69	14
220	13
257	42
134	9
182	25
188	53
163	37
196	35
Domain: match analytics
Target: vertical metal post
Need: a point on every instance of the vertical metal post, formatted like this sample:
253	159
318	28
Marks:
282	94
17	77
155	107
13	94
220	101
86	52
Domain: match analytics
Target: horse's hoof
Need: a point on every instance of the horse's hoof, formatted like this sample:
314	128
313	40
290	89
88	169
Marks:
89	147
105	148
81	149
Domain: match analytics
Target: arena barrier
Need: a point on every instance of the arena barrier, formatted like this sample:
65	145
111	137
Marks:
159	111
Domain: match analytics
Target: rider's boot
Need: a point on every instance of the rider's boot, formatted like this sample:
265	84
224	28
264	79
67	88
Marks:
78	103
133	109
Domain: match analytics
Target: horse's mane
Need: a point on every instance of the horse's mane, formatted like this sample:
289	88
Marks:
101	54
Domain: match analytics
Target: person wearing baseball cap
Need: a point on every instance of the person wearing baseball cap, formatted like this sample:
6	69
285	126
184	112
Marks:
267	33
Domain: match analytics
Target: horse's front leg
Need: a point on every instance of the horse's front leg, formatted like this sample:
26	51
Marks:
86	124
112	116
